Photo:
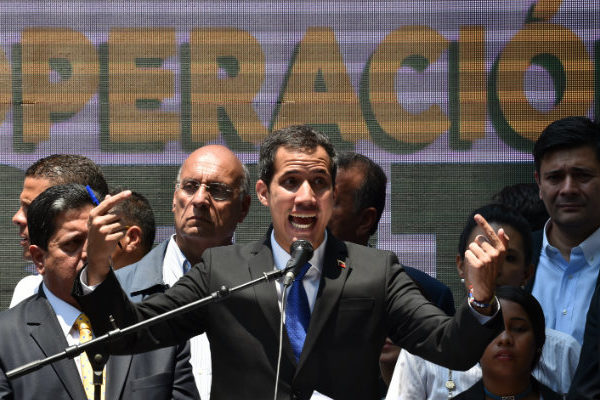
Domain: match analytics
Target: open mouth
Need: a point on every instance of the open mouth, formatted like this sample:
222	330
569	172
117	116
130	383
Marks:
302	221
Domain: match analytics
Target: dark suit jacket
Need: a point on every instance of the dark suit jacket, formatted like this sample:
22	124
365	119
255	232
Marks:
30	331
476	392
433	290
364	296
586	382
537	240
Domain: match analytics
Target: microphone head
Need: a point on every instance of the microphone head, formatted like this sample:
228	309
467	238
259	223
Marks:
301	246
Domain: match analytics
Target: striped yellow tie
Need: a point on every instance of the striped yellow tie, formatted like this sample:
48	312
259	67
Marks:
87	372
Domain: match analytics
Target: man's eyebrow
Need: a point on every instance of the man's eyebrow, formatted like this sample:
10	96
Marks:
73	235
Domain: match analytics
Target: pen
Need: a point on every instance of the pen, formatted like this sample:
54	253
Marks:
92	195
96	202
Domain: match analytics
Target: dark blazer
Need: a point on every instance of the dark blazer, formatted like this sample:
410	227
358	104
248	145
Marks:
433	290
537	240
586	382
364	296
145	277
476	392
30	331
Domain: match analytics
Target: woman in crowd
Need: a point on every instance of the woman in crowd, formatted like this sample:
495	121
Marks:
509	359
417	379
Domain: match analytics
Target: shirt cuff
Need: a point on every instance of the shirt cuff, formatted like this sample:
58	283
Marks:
483	319
83	280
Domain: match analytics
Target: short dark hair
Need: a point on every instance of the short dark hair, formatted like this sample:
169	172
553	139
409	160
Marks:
45	208
534	311
500	214
136	210
61	169
371	192
567	133
525	198
296	137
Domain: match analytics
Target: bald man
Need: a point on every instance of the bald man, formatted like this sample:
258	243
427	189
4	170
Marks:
211	197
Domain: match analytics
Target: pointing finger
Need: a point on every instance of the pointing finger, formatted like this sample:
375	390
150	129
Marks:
490	234
110	201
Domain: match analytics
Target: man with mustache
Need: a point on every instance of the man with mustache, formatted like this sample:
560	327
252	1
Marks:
57	169
48	322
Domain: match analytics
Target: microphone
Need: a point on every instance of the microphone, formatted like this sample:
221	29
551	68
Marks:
301	251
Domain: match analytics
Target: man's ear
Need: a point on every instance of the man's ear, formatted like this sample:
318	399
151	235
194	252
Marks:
132	239
37	256
262	192
367	218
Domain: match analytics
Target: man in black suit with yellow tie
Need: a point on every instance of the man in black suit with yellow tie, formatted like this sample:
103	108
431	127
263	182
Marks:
46	323
355	295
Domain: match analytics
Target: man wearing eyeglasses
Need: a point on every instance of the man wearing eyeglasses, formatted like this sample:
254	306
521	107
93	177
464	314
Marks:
211	197
339	310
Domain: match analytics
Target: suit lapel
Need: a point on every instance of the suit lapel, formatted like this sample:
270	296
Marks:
333	277
266	294
46	332
117	371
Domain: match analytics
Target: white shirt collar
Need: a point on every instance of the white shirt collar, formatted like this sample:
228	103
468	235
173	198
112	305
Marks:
65	313
173	262
281	256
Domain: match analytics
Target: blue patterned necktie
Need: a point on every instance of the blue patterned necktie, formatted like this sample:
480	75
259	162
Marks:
297	313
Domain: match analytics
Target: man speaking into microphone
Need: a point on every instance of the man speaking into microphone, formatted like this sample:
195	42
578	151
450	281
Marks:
341	305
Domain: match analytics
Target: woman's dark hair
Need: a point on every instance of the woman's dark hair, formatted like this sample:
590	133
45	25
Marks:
502	215
534	312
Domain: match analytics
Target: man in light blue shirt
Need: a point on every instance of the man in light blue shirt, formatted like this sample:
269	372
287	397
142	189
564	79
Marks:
567	163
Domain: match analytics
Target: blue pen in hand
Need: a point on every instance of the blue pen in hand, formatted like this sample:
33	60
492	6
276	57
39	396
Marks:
92	195
96	202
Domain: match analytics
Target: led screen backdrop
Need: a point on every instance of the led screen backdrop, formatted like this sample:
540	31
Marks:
448	96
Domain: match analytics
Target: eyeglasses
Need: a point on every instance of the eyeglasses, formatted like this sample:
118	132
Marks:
218	191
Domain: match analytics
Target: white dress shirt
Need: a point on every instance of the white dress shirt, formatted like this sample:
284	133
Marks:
416	378
66	315
199	345
26	287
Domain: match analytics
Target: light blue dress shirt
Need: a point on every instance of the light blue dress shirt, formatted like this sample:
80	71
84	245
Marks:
564	289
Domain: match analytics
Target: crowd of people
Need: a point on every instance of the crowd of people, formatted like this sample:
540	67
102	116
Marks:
355	323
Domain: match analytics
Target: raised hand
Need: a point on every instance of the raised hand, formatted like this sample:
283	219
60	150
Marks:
482	260
104	232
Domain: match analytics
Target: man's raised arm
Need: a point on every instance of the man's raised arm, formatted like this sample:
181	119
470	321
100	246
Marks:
104	232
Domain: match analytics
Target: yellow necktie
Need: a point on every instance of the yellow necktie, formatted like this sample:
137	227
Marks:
87	372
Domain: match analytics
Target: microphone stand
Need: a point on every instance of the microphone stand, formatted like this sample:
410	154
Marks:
114	335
